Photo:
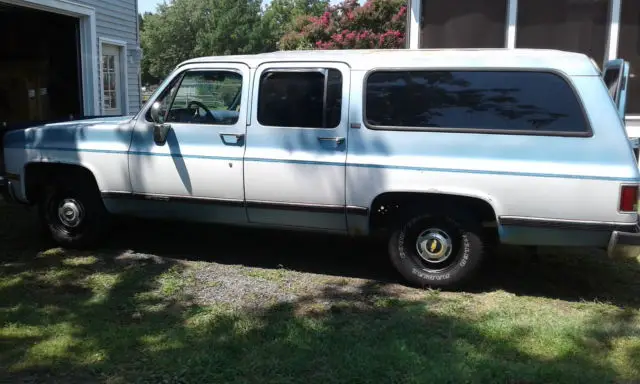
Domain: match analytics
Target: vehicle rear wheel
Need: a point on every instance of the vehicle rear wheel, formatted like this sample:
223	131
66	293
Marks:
437	250
74	215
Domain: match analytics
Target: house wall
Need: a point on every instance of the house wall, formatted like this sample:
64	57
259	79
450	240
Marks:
117	20
602	29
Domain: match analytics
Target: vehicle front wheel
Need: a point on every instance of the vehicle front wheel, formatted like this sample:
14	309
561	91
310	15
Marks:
437	251
74	216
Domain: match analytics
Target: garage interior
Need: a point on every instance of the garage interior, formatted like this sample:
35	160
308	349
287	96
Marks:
40	78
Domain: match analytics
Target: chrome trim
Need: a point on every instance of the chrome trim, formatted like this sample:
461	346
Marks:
340	209
566	224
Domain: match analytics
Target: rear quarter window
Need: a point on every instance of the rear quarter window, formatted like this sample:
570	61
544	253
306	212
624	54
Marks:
508	102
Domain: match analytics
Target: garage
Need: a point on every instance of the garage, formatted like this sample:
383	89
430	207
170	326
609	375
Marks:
47	62
40	76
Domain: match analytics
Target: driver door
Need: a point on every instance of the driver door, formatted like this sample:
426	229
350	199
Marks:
197	174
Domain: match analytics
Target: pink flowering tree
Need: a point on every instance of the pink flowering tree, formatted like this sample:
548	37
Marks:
348	25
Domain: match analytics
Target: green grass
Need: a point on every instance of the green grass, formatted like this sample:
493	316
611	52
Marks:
84	317
278	275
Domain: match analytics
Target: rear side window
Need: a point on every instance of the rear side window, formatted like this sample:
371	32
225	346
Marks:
474	101
300	99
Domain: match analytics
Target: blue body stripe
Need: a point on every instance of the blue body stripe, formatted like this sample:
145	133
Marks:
380	166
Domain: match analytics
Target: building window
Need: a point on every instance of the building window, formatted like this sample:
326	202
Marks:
570	25
482	101
629	49
111	80
463	23
300	99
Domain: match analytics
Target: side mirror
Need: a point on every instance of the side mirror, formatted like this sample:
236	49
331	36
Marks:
160	133
156	116
160	129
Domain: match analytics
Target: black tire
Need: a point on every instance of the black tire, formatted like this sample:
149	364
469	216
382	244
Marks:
93	222
467	250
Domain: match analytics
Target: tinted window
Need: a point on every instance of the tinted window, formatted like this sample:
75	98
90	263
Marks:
611	79
515	101
310	99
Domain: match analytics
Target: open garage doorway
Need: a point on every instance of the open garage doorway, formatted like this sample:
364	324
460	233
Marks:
40	67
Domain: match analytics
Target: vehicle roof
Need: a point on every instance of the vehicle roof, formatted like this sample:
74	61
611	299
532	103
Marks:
571	63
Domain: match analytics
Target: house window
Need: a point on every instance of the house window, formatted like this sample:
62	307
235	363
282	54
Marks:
629	49
463	23
111	81
302	99
570	25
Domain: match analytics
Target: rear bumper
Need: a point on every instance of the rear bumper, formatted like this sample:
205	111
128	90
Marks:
620	239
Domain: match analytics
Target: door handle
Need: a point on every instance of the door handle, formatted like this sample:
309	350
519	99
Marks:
337	140
232	138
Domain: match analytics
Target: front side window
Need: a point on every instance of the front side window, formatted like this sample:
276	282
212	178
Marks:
499	101
204	97
302	99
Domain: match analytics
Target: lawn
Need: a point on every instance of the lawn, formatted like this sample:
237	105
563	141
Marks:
169	303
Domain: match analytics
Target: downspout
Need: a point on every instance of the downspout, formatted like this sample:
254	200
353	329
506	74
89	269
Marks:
138	55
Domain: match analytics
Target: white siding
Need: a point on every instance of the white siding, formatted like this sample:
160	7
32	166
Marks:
118	20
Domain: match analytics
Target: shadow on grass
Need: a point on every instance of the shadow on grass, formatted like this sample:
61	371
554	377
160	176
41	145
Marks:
567	274
78	317
572	275
129	333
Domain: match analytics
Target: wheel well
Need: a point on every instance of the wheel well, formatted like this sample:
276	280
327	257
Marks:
40	175
390	209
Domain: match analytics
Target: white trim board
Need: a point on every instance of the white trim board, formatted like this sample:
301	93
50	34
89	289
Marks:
124	72
88	43
415	16
511	28
613	31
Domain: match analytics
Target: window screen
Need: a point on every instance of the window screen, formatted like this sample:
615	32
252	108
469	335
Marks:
629	50
303	99
463	23
482	100
569	25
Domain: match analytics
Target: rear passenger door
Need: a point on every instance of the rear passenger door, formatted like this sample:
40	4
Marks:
297	144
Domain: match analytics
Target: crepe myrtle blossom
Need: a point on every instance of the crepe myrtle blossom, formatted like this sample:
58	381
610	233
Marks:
349	25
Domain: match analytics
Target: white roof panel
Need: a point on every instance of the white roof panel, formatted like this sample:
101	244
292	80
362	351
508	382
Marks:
570	63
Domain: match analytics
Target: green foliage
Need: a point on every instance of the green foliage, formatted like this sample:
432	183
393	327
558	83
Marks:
280	16
145	76
183	29
189	28
348	25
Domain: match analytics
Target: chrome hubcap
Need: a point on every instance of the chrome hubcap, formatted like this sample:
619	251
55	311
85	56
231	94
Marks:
434	245
70	213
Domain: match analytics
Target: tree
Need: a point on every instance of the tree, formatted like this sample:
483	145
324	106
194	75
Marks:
376	24
145	75
280	15
185	29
